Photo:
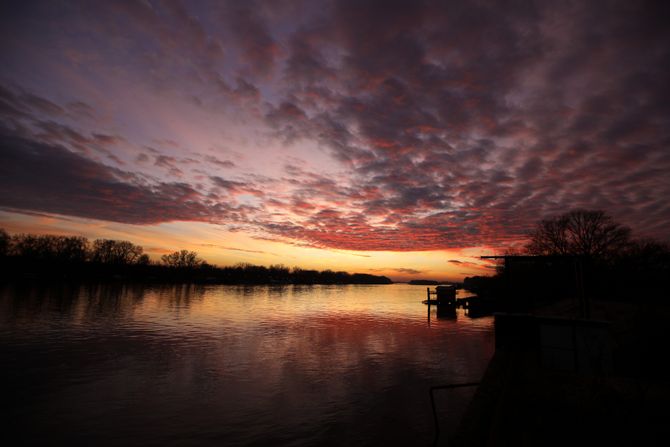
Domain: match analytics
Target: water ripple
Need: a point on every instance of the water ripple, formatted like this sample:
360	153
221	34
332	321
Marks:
212	365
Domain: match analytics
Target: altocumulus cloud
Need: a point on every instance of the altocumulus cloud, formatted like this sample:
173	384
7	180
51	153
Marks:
446	124
37	176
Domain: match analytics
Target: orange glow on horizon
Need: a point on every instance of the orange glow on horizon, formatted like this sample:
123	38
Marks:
220	247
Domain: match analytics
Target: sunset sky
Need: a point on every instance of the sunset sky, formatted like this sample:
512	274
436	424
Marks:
385	137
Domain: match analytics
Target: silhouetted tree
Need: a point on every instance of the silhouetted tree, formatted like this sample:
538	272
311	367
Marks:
49	247
644	265
70	257
182	259
108	251
71	249
302	276
579	232
365	278
279	272
652	251
30	246
4	242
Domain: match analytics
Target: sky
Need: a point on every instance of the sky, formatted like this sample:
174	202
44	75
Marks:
385	137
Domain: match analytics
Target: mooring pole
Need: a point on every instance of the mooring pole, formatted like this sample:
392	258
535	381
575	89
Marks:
428	303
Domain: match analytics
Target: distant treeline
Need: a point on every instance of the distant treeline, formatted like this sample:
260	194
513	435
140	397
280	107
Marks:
36	257
424	282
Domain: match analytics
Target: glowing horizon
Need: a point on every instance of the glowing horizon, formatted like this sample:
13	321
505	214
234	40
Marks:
167	238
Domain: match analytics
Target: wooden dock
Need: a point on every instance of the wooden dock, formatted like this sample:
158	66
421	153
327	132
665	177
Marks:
446	303
463	303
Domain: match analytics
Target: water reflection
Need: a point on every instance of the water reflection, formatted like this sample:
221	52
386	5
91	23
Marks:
217	365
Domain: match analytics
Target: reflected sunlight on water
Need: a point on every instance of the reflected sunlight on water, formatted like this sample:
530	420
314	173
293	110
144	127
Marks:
231	365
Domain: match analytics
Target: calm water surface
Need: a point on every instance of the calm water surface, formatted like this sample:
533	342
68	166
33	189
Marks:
228	365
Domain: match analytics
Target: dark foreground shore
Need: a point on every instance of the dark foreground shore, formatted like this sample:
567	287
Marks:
534	395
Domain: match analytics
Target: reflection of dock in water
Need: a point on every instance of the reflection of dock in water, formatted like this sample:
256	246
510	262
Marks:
446	296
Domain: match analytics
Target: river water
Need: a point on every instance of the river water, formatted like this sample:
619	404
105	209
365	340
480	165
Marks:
231	365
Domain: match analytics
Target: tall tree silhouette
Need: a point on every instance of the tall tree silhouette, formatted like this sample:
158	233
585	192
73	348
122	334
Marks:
4	242
182	259
579	232
107	251
49	247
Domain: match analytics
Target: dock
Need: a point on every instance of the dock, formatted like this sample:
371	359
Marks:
445	296
460	303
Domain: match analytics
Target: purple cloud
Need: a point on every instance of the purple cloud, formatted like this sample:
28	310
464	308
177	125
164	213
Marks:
47	178
361	125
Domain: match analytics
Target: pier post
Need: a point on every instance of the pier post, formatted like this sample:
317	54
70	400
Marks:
428	302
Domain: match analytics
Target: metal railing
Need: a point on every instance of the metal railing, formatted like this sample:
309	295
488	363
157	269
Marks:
432	403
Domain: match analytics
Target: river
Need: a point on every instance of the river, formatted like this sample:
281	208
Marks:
231	365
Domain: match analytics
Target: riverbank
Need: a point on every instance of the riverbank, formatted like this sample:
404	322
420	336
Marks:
523	401
18	268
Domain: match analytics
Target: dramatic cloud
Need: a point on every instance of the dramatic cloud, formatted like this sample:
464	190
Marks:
353	125
36	176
